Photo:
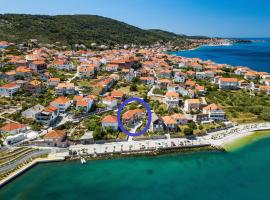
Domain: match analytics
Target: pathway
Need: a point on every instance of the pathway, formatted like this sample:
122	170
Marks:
133	130
22	160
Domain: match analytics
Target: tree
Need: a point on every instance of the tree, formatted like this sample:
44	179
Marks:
136	66
188	131
135	80
36	126
98	133
265	116
192	125
133	87
91	124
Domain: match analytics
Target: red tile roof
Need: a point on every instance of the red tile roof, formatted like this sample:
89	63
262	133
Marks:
55	134
12	126
109	119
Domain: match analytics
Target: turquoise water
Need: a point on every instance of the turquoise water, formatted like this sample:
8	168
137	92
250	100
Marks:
244	174
255	55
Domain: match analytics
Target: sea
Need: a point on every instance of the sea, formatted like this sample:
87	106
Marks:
255	55
241	174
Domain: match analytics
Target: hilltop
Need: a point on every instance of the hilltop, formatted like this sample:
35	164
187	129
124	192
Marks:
85	29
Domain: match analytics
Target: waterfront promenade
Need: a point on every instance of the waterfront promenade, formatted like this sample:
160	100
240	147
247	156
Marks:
215	139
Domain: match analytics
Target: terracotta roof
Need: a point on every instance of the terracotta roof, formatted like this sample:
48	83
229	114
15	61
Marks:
9	85
230	80
82	103
264	87
55	134
147	78
131	113
193	101
200	88
23	69
11	73
172	94
112	65
109	119
50	109
251	73
58	62
190	82
212	107
164	81
61	100
109	98
178	116
93	97
117	93
38	62
12	126
114	76
168	120
64	85
35	83
77	98
54	79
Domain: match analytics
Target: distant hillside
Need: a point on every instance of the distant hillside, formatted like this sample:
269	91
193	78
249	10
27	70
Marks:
73	29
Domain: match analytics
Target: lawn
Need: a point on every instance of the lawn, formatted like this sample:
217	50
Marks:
242	107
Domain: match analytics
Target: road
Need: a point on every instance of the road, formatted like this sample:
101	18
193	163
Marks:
23	159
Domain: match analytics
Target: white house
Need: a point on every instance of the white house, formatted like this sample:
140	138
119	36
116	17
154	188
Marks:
192	104
53	82
48	115
112	67
180	119
13	128
65	88
110	102
84	104
9	89
200	75
62	103
62	65
12	139
147	80
228	83
31	112
215	112
110	121
86	71
180	77
172	99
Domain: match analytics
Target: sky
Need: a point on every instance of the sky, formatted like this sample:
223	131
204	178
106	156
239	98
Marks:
222	18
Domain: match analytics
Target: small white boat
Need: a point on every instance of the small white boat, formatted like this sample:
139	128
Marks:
83	161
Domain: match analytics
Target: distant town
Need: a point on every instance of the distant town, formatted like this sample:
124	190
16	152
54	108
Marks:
58	102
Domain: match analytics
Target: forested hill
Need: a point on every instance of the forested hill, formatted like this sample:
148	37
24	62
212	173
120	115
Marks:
73	29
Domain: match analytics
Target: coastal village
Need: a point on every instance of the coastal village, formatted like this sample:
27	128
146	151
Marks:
59	98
